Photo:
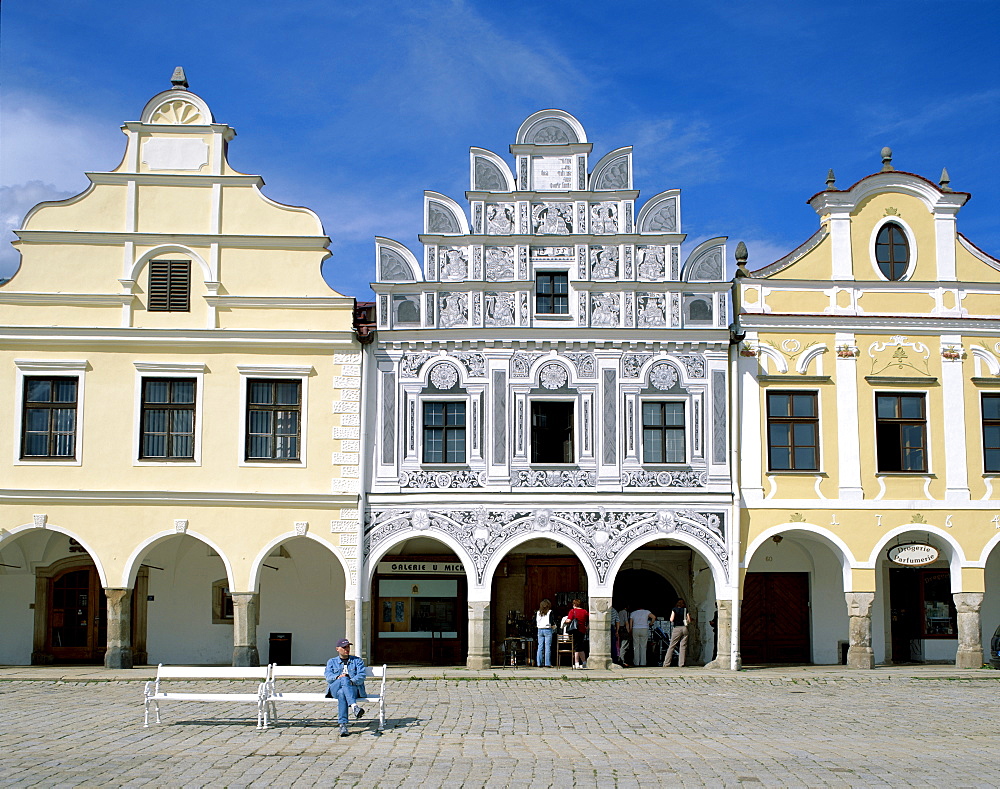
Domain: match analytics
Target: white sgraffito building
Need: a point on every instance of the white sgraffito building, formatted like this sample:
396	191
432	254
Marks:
548	410
180	478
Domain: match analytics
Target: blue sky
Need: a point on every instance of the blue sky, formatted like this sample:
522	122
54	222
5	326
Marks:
353	109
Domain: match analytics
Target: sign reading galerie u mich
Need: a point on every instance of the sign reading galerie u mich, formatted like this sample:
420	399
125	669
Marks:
423	568
912	554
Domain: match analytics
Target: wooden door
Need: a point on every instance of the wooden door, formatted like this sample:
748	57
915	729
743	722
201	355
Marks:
77	616
549	577
774	620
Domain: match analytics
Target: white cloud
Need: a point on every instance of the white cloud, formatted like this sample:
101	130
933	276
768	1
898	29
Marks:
43	141
15	202
686	152
898	120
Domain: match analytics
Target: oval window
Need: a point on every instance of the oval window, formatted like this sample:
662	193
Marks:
892	251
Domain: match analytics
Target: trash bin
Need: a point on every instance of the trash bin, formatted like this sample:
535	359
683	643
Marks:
279	649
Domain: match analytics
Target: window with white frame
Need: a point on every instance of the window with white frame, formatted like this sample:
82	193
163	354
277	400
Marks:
552	431
168	419
444	431
663	432
49	417
552	293
274	419
901	432
991	433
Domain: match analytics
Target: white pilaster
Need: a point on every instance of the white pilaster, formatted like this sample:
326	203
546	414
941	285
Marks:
752	472
956	470
848	438
944	244
840	244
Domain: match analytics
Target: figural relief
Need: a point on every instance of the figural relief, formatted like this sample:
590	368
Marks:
604	218
552	218
499	263
500	219
651	262
604	310
652	310
454	264
499	308
604	262
453	309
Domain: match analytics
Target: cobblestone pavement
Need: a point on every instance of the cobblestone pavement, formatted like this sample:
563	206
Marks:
690	728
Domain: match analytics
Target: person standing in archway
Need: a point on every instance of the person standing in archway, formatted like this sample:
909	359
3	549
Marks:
576	625
680	619
638	625
546	623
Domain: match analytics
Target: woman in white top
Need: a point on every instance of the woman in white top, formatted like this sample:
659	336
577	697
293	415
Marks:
546	622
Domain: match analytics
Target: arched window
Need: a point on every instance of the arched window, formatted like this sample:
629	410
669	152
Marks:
892	251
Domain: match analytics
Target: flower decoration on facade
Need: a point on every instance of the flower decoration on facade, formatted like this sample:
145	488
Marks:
848	351
663	376
444	376
553	376
420	519
952	352
748	350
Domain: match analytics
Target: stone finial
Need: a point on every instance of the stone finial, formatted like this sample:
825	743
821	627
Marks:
887	160
178	79
831	179
945	180
741	260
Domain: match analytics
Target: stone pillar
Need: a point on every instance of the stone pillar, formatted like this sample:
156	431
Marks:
245	629
724	635
119	651
859	608
600	633
349	622
970	642
479	635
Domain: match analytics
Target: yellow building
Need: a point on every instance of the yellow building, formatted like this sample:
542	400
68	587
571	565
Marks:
869	387
181	468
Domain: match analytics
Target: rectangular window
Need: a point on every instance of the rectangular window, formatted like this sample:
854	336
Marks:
169	286
663	433
274	411
792	431
991	433
552	293
444	432
901	432
49	417
168	406
552	432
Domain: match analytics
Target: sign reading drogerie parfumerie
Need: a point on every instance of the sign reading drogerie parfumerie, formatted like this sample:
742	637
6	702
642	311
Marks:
913	554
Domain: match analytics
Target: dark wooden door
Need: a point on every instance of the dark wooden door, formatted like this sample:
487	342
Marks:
774	620
549	577
77	616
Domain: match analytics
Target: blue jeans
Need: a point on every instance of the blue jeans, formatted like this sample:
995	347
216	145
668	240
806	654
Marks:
544	656
346	693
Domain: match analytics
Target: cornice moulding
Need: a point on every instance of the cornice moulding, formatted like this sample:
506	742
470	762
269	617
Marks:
67	299
529	239
793	378
901	380
317	243
170	179
89	337
50	364
827	322
281	302
192	498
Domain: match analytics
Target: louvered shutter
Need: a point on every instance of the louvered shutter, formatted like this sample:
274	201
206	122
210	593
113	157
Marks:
169	286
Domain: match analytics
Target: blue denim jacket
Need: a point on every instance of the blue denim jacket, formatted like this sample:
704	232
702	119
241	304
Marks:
355	673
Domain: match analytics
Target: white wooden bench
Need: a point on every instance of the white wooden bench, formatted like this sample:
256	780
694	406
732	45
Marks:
275	695
154	693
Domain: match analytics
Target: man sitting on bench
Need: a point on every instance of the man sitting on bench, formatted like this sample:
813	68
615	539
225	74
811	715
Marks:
345	679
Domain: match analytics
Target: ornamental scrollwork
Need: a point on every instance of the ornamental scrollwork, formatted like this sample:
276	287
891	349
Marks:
664	479
461	478
570	478
603	535
410	364
585	363
520	363
553	376
475	363
632	363
694	365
